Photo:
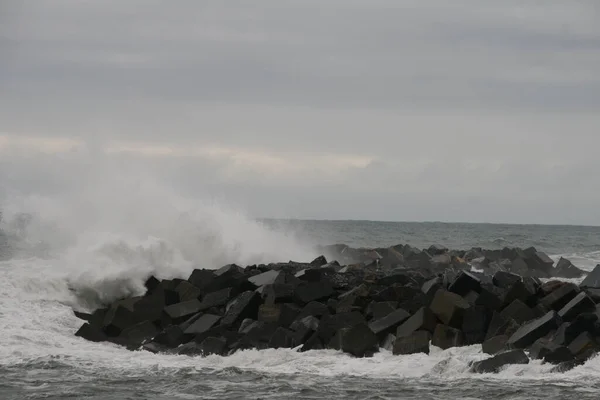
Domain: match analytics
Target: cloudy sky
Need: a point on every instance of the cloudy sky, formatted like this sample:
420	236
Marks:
485	111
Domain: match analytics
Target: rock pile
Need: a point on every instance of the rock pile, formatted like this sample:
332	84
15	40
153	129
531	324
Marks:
401	299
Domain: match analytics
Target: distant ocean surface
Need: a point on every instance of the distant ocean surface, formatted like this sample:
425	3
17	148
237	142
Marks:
51	267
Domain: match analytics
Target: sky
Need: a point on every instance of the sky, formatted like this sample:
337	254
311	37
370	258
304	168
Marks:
424	110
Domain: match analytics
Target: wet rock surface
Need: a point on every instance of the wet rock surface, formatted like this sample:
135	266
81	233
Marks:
401	299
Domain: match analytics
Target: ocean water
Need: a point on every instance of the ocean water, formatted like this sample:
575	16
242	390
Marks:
68	257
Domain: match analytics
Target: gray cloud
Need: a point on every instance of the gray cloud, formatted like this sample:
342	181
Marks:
341	109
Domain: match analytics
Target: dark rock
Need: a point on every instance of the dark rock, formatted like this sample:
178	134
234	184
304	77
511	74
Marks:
594	294
501	326
532	331
357	297
416	342
314	274
319	261
313	343
202	278
213	345
217	299
282	338
580	304
388	342
151	284
281	314
518	311
150	308
519	266
82	315
358	340
171	337
422	320
136	335
91	333
566	366
488	299
330	324
313	291
568	331
243	306
550	353
187	291
430	287
117	319
449	307
592	280
495	345
203	324
497	362
505	279
520	291
178	313
446	337
584	346
415	303
560	297
377	310
475	324
436	249
278	293
271	277
565	269
315	309
389	323
153	347
464	283
304	328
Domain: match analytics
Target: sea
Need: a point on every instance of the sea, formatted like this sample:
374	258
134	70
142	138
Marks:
52	265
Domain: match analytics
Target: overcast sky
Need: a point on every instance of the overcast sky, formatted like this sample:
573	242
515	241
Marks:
485	111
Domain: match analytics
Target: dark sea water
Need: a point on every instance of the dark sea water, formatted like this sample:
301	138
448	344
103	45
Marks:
53	268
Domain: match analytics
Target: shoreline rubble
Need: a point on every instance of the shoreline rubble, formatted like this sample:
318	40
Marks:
402	299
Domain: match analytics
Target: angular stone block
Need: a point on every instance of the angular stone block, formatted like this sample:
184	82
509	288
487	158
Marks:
416	342
527	334
499	361
446	337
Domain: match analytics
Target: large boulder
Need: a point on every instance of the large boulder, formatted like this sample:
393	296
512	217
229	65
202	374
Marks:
358	340
422	320
464	283
501	326
203	323
584	346
330	324
518	311
592	280
92	333
446	337
532	331
565	269
475	324
449	307
389	323
495	344
416	342
313	291
560	296
580	304
243	306
178	313
379	309
499	361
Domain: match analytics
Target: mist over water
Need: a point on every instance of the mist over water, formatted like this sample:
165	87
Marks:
115	225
